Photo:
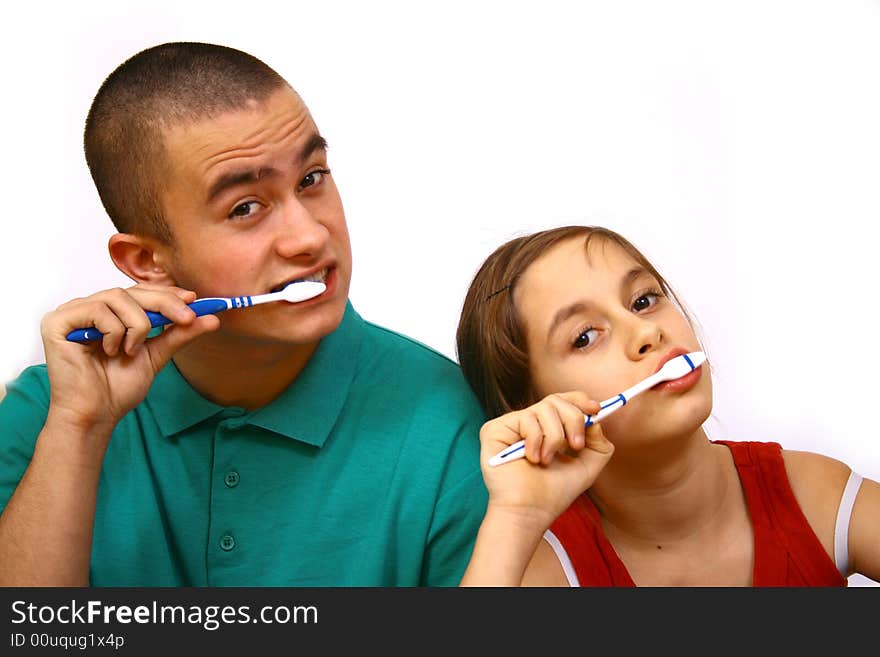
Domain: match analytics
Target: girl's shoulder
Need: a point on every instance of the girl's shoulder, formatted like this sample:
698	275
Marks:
815	475
817	482
545	568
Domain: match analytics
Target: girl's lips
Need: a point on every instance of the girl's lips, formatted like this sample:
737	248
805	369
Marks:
681	384
675	353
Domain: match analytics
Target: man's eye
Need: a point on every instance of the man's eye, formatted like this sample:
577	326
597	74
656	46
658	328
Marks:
585	338
313	178
244	209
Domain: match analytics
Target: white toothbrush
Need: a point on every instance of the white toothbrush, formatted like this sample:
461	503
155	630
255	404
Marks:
675	368
293	293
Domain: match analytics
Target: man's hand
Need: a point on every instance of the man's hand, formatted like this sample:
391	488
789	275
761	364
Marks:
94	385
46	528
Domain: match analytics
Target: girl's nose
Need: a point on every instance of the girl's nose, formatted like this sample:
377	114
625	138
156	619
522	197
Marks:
647	336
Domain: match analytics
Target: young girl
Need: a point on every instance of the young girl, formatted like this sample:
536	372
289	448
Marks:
557	320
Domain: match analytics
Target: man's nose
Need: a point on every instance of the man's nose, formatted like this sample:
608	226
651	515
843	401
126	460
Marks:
298	231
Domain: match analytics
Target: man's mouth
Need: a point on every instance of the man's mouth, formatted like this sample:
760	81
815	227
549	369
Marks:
320	276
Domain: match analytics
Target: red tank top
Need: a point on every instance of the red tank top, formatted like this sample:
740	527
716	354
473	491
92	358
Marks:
787	551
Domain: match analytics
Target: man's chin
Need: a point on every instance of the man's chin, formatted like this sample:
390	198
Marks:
312	327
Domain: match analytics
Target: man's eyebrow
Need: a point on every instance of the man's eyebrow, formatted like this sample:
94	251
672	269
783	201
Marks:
315	143
234	178
572	309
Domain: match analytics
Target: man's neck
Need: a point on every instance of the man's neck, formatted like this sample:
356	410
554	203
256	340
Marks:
234	373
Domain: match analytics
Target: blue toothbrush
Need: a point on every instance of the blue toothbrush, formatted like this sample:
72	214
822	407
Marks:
293	293
675	368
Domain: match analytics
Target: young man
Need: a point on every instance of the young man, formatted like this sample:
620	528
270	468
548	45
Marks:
279	445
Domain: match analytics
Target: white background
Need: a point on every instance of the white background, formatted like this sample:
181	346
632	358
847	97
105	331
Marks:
736	143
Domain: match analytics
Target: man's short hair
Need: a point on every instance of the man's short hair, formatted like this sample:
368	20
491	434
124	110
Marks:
164	86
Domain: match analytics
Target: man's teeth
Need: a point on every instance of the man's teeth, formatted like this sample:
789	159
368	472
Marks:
318	276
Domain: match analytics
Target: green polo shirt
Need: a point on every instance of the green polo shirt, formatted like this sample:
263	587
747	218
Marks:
364	472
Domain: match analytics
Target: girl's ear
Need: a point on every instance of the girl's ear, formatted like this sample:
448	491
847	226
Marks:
142	259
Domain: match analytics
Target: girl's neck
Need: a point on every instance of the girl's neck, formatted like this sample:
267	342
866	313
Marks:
666	493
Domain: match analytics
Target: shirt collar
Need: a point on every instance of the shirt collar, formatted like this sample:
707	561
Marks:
306	411
175	405
310	406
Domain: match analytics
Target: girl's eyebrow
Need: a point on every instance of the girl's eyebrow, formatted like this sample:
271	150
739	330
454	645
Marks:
563	314
633	274
568	311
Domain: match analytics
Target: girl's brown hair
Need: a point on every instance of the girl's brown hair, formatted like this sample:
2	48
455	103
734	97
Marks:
490	341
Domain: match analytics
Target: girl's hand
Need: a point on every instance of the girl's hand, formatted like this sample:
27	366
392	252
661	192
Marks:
562	457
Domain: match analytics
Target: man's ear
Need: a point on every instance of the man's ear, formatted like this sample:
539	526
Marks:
142	259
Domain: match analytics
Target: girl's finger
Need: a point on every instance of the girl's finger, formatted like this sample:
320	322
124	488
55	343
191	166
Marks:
530	430
552	428
572	419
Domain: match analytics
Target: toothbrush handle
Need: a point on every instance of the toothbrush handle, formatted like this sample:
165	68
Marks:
200	307
518	449
608	407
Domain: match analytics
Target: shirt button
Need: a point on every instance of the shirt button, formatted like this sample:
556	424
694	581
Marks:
227	542
231	479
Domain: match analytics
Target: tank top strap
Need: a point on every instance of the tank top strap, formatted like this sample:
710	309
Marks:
751	459
787	551
579	530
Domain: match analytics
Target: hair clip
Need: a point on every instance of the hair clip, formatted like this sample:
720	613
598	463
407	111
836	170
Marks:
499	291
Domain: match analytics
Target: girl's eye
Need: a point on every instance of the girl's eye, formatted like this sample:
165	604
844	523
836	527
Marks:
585	338
313	178
244	209
645	301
